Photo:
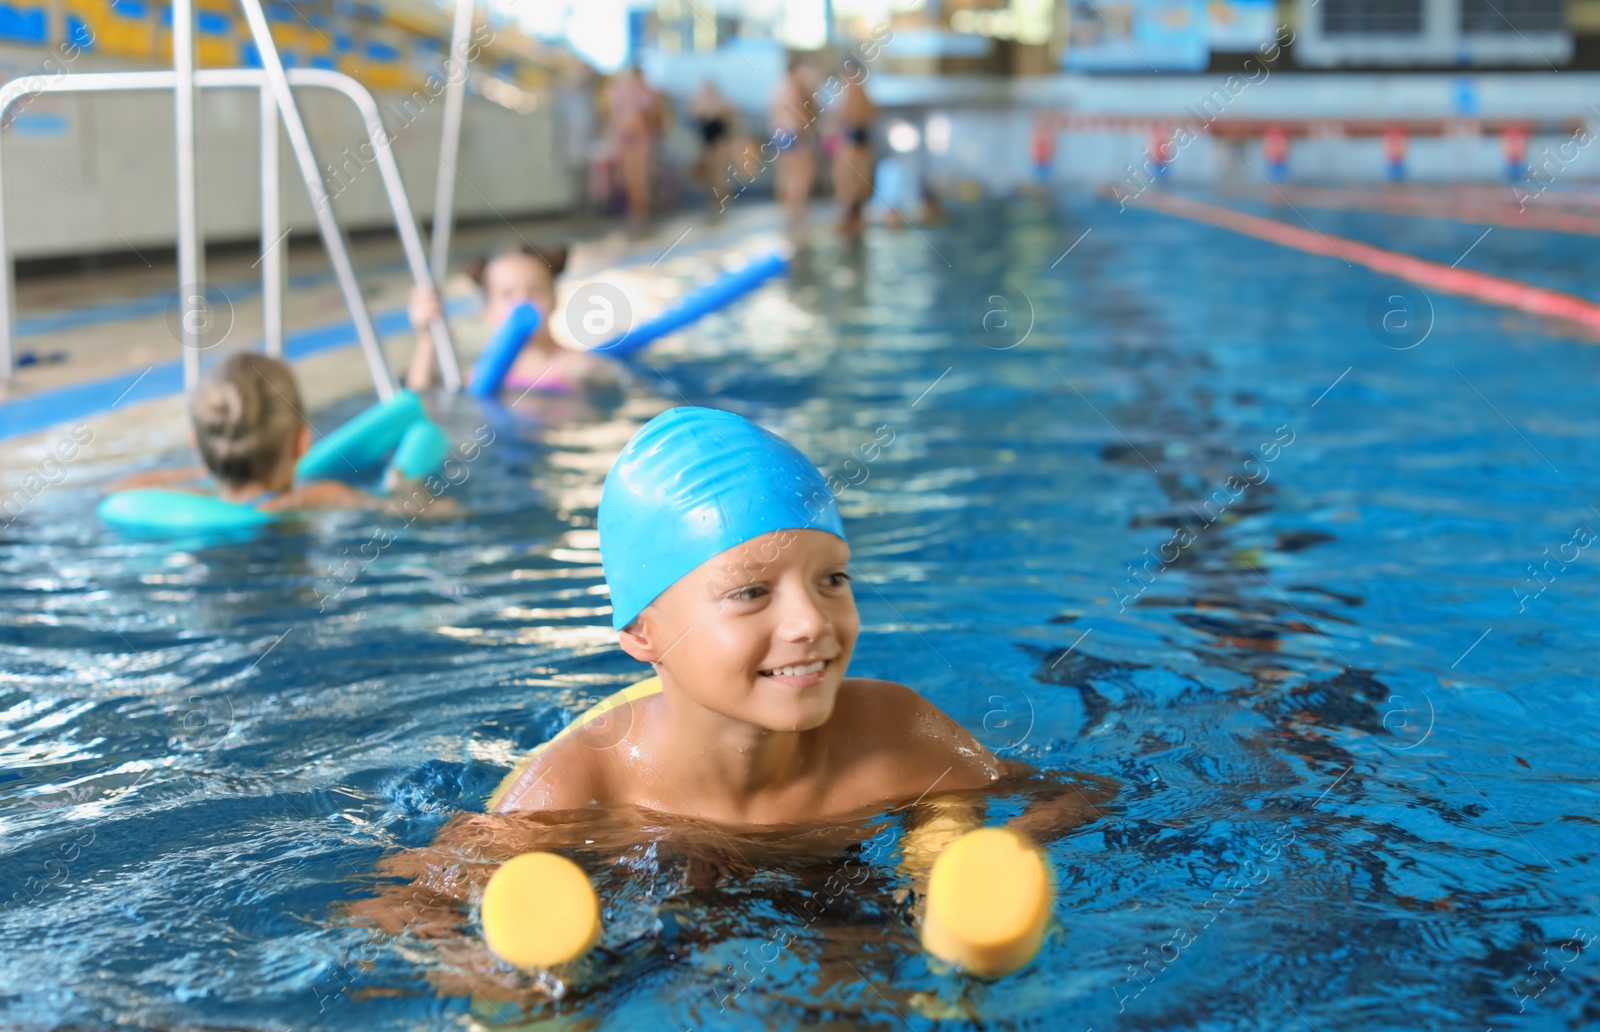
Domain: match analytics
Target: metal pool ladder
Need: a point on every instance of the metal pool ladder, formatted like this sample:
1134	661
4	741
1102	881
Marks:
274	84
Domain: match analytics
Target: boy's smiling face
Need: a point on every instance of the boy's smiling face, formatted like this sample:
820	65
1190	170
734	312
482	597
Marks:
761	633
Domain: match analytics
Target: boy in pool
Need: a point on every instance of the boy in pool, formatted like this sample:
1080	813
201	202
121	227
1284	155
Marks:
249	426
728	569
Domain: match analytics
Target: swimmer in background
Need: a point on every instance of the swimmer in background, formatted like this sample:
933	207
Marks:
714	117
633	114
852	157
728	569
897	190
249	426
506	279
792	115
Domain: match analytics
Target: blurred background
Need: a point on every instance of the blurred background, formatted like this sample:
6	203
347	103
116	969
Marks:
977	98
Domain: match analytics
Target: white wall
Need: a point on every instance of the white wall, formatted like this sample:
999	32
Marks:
95	172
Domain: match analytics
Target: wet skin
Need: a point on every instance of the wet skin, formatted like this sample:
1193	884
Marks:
757	723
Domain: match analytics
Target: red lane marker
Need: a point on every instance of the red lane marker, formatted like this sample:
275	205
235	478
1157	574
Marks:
1457	209
1521	193
1477	286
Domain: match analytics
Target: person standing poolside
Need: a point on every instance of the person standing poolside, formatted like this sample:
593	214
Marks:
852	157
793	113
634	117
714	117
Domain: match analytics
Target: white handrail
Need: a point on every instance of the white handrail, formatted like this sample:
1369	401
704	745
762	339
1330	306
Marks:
240	78
272	263
191	241
411	240
444	189
321	203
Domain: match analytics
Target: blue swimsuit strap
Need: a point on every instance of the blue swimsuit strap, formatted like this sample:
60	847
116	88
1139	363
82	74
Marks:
265	496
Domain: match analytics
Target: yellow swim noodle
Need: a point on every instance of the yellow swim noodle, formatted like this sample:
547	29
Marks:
540	910
989	901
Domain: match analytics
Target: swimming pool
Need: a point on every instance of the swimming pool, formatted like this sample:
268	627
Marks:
1192	525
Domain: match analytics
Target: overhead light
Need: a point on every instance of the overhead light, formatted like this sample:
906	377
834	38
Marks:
507	95
903	136
1026	21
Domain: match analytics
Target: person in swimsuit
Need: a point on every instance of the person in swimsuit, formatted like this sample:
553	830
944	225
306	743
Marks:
714	117
249	426
506	279
725	556
792	117
852	156
634	115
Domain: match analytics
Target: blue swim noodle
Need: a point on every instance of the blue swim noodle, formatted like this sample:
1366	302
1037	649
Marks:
500	354
421	452
397	425
362	444
175	512
691	484
719	293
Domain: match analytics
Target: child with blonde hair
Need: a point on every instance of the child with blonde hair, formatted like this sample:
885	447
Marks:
248	423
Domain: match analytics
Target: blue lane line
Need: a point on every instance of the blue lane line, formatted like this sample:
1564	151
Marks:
66	404
156	304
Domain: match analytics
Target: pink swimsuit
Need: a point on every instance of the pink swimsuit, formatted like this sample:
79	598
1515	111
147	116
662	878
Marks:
547	382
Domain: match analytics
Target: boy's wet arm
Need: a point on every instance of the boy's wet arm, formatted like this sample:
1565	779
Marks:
1062	803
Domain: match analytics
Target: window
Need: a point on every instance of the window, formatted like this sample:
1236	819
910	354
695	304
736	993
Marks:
1377	17
1484	17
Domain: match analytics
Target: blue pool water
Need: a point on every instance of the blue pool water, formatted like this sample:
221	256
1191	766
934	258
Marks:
1352	736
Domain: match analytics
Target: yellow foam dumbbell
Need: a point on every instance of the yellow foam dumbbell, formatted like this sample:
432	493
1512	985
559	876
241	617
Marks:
540	910
989	901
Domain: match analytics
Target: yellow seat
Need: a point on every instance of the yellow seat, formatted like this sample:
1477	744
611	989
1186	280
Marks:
540	910
989	901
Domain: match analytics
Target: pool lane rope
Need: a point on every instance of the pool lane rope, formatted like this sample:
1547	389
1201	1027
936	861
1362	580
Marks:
1447	208
500	354
1476	286
397	430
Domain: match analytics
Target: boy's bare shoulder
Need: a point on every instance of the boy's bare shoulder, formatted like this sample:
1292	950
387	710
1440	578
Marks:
869	697
882	723
566	775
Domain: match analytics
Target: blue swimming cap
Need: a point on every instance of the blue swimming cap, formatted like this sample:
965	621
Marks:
691	484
